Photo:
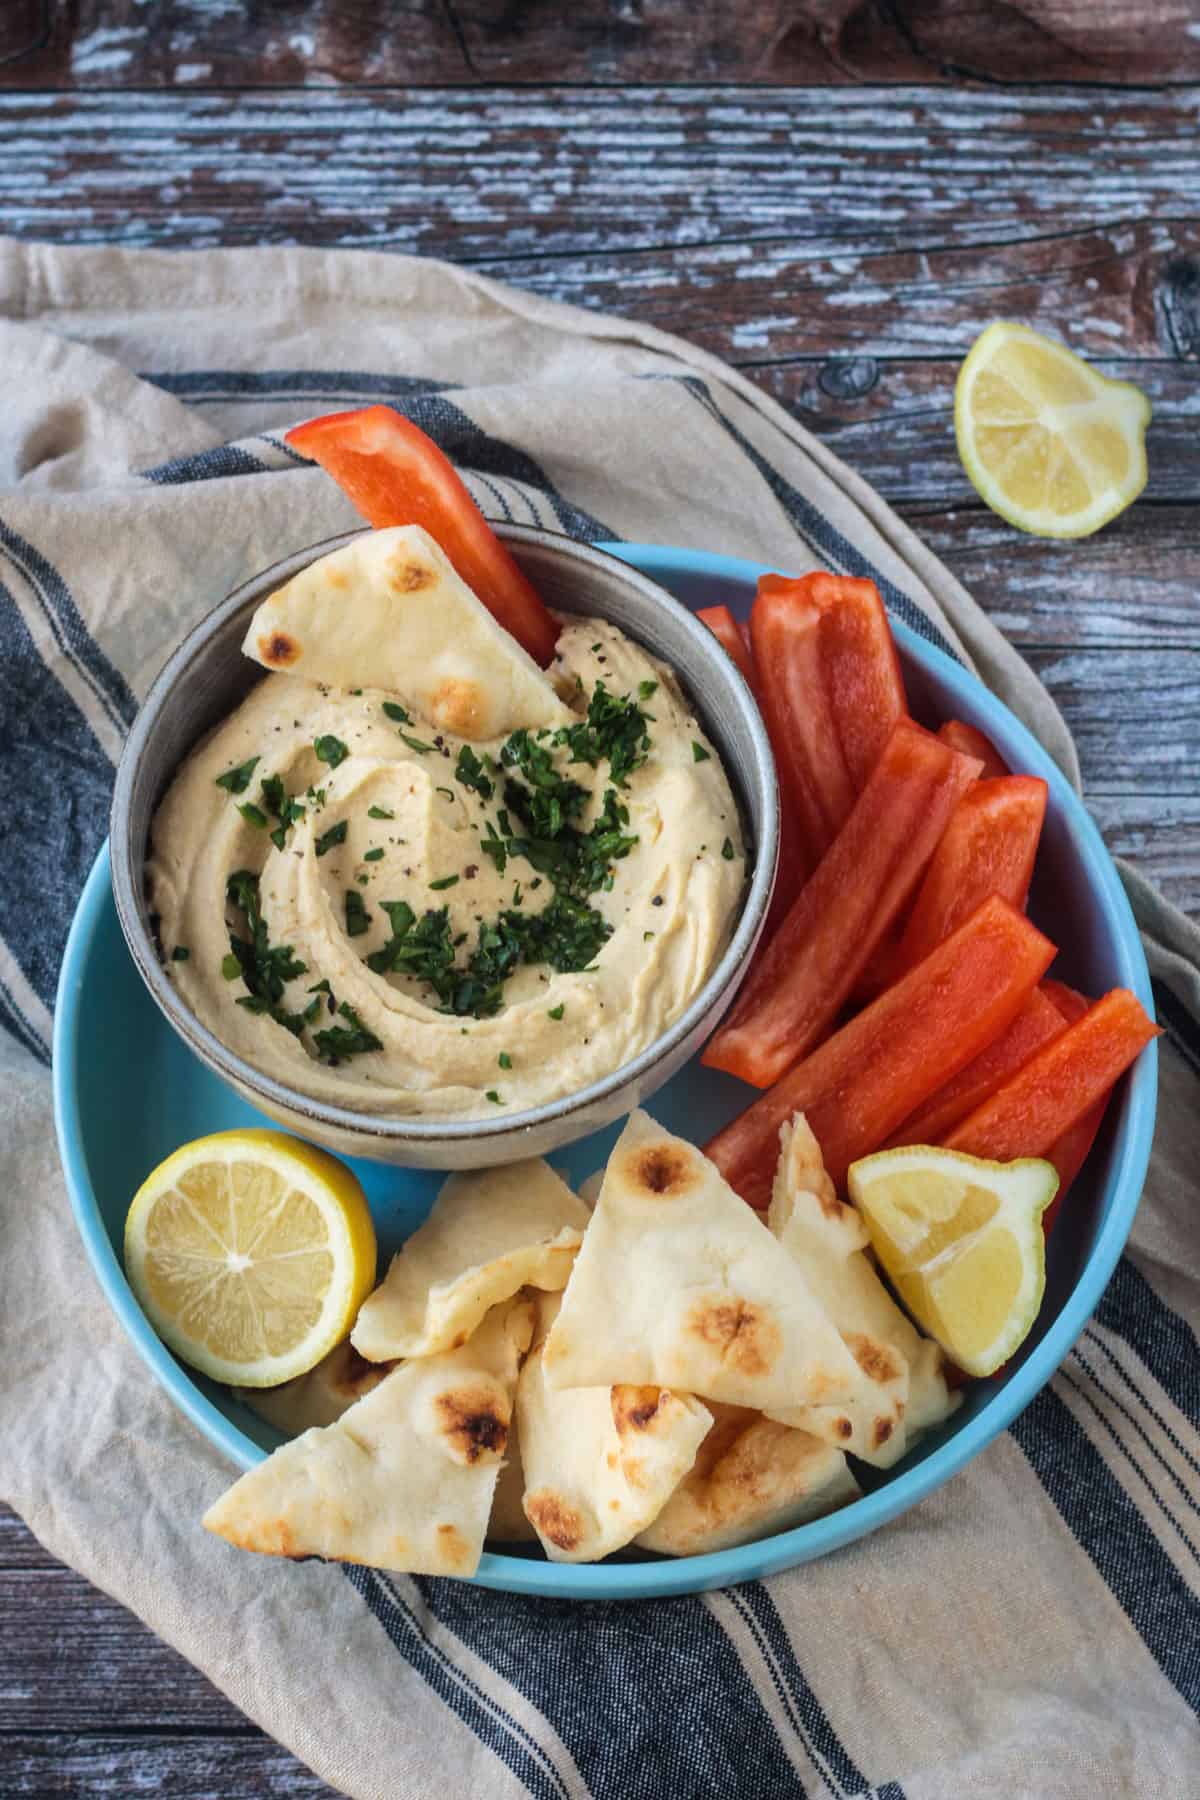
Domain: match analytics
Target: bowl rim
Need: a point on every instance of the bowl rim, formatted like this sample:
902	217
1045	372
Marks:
381	1128
803	1543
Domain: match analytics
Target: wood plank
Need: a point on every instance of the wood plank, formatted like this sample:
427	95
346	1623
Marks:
74	1657
39	1766
1134	584
1135	716
120	43
1161	834
752	223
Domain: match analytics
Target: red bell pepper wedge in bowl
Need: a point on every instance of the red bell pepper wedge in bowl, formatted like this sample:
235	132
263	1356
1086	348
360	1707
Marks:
1069	1152
811	965
734	639
396	475
988	847
970	742
1060	1083
832	692
881	1066
1038	1021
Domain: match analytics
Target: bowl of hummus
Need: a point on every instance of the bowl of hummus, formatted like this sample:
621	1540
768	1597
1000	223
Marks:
414	896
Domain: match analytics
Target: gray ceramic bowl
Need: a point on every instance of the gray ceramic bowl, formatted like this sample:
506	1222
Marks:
208	676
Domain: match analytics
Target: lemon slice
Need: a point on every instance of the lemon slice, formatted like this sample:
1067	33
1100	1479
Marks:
962	1243
1052	446
250	1253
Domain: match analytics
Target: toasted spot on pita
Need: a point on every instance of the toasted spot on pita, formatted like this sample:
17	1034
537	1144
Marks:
635	1408
459	705
277	649
474	1423
843	1427
337	578
881	1431
407	575
455	1547
553	1519
745	1335
662	1169
876	1360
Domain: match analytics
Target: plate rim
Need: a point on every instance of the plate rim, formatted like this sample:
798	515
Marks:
803	1543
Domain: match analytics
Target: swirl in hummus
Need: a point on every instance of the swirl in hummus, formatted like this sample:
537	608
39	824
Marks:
417	875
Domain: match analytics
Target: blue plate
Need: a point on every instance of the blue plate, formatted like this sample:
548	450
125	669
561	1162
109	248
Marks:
127	1092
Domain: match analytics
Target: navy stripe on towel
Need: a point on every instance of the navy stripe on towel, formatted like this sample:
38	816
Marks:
70	633
206	465
492	1726
290	384
809	1717
56	781
1165	1342
651	1701
1110	1528
13	1020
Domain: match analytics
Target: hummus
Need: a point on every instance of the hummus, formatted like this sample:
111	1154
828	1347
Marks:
405	931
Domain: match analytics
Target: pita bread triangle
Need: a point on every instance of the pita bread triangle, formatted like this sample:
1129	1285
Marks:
751	1477
318	1398
679	1285
600	1463
491	1232
389	611
404	1479
902	1386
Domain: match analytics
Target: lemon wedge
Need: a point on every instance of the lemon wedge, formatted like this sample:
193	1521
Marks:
1049	444
250	1253
961	1241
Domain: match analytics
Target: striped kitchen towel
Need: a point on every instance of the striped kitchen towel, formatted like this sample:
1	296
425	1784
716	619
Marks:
1033	1628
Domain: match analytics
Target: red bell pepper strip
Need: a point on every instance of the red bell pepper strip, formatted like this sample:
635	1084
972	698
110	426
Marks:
1038	1021
1029	1113
734	639
880	1067
810	967
814	782
831	692
1069	1152
396	475
989	847
970	742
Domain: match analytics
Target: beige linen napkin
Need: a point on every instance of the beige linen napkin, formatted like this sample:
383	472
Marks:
1032	1628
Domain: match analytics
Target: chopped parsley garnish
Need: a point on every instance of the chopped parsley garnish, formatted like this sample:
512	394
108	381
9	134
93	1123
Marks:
287	811
699	753
417	744
379	812
396	712
331	750
236	781
504	1059
265	968
180	953
253	815
320	987
556	1012
340	1041
375	855
614	728
494	1097
358	919
447	881
335	835
472	773
646	688
727	850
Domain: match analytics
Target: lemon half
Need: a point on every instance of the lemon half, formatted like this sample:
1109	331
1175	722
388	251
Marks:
1049	444
962	1243
250	1253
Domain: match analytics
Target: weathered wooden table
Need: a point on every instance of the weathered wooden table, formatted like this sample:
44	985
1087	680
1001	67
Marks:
843	242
